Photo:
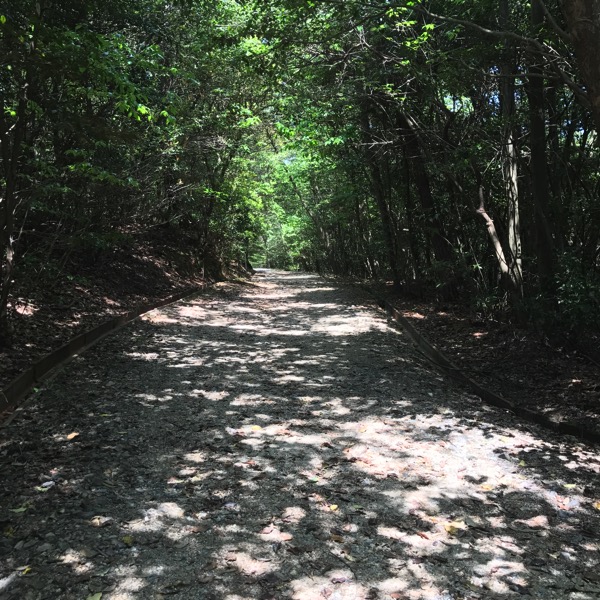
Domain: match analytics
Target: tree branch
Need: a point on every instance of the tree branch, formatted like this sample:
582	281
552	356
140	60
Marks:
577	90
566	37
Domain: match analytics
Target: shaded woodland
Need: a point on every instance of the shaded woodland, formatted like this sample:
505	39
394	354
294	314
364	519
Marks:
449	147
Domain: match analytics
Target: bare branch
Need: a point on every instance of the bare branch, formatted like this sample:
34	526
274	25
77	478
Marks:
543	49
566	37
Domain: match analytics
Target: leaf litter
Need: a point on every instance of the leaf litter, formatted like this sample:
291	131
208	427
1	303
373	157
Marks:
280	439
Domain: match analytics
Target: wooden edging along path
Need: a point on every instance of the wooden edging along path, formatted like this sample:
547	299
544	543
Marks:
443	363
14	393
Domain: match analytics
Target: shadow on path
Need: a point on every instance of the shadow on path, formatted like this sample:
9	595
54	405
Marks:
281	440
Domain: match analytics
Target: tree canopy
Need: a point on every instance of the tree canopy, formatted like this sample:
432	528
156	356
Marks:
448	146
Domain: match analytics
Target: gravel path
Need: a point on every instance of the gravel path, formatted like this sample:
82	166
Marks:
281	440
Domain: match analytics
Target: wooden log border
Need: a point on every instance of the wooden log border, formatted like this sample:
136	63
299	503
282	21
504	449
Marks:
15	392
446	366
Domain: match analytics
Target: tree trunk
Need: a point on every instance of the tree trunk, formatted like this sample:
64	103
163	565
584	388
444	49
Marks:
380	199
539	173
10	154
510	165
441	248
583	22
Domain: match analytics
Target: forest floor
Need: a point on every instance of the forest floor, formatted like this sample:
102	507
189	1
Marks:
53	305
280	439
557	378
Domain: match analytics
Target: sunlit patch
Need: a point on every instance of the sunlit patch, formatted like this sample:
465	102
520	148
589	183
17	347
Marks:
144	526
6	582
152	398
251	400
309	399
127	588
77	561
169	510
500	545
213	395
144	355
272	533
24	308
196	457
251	566
392	585
193	311
289	379
342	583
154	570
293	514
336	407
392	533
253	441
498	566
351	325
412	315
537	521
158	317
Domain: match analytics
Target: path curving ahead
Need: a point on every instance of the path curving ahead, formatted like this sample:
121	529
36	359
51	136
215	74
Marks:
281	439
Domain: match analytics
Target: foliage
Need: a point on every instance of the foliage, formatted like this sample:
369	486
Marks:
365	139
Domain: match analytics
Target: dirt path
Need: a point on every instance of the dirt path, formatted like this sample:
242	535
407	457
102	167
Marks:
281	440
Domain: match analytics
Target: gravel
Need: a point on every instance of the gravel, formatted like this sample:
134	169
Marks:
281	439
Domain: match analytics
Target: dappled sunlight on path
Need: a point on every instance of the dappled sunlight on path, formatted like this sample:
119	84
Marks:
281	440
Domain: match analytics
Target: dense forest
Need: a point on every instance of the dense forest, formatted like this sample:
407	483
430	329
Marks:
449	146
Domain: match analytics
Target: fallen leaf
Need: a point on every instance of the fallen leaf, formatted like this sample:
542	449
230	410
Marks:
522	463
72	435
97	596
100	521
454	527
21	509
256	427
127	540
422	535
596	505
333	507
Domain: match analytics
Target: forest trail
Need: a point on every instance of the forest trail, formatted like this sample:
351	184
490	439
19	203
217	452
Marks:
280	439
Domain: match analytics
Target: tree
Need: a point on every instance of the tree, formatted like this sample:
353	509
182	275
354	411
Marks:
583	22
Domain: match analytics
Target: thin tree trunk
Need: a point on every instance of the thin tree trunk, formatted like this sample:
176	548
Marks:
409	207
539	174
583	22
10	152
441	247
380	199
511	161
